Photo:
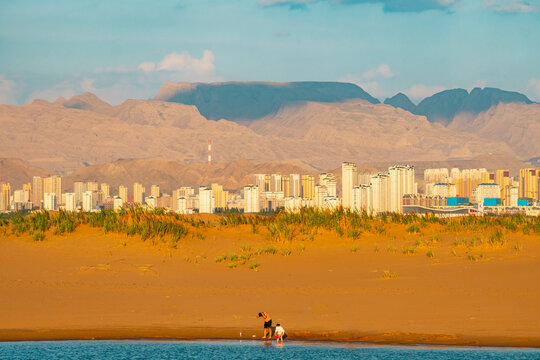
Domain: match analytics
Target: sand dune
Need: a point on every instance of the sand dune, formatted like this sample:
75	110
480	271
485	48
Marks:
321	290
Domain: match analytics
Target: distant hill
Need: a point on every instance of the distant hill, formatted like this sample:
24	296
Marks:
401	101
87	101
444	106
171	174
18	172
517	124
254	100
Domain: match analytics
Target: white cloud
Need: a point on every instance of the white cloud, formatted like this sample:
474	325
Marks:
183	63
512	6
147	66
534	86
420	91
383	70
8	91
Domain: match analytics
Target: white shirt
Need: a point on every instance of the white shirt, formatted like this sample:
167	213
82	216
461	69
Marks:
279	330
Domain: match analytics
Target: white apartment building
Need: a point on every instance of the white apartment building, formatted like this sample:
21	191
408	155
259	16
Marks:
329	180
151	202
251	199
79	188
88	201
69	203
487	191
361	197
321	192
401	181
441	189
348	182
206	201
380	193
138	193
49	201
118	203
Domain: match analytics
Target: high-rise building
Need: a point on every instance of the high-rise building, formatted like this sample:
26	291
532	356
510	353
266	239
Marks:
267	183
105	190
467	180
49	201
221	197
70	203
349	179
118	203
436	176
259	181
20	196
92	186
502	178
151	202
528	183
321	192
138	193
441	189
251	199
401	183
361	198
123	193
308	186
275	183
6	194
206	201
380	193
285	185
37	191
79	188
88	201
154	191
181	205
487	191
295	185
329	180
27	188
53	184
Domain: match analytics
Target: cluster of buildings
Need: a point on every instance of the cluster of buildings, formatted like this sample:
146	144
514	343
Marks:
446	192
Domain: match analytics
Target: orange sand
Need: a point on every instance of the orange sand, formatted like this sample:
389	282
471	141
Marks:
91	285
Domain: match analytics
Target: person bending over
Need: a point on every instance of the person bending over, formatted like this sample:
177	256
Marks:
267	325
280	333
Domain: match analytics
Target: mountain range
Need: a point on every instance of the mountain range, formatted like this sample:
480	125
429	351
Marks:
312	125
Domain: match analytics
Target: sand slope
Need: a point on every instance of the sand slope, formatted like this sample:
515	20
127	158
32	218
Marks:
88	284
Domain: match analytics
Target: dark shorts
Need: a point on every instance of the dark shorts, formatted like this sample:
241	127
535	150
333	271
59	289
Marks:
268	324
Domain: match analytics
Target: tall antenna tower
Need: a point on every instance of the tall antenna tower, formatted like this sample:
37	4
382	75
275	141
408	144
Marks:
209	152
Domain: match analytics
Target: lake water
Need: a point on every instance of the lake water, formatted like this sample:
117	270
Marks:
245	350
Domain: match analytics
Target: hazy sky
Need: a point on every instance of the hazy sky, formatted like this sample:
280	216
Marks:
127	49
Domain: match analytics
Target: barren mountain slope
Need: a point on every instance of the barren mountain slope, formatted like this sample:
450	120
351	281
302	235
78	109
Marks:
517	124
61	138
373	132
319	135
171	174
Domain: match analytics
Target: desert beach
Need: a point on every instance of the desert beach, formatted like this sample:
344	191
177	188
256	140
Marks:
385	284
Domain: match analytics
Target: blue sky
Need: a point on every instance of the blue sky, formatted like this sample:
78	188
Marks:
127	48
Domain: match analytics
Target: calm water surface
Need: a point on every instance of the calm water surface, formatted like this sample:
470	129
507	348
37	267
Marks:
244	350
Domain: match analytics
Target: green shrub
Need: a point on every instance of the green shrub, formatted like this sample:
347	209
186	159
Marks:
38	236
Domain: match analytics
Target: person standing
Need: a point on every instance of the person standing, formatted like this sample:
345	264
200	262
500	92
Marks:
267	324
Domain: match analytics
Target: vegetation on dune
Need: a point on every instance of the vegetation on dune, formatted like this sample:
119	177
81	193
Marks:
281	229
